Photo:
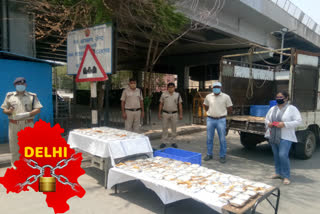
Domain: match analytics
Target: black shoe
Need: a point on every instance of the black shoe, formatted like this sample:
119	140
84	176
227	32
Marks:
162	145
223	159
208	157
174	145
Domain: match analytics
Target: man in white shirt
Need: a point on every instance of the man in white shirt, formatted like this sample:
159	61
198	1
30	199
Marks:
217	105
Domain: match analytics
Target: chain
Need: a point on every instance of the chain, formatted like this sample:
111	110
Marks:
58	177
60	165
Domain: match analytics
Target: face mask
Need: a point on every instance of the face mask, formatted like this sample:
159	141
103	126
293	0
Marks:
20	88
280	101
216	90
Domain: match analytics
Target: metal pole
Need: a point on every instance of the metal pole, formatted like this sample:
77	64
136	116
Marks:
5	25
94	104
74	88
56	90
108	83
282	44
106	101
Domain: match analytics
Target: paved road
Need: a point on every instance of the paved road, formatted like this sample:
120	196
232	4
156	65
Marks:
302	196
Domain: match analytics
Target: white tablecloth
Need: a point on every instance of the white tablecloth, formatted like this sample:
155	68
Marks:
166	191
110	146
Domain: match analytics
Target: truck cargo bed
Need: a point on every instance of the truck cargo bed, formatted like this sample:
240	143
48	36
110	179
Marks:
247	123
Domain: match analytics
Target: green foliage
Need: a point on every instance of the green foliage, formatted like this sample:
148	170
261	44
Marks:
65	81
167	19
120	79
160	15
147	100
99	13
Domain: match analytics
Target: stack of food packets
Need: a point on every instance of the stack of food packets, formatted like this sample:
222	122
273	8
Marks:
196	179
107	133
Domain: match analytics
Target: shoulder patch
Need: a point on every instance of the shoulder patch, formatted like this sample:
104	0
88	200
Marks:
33	94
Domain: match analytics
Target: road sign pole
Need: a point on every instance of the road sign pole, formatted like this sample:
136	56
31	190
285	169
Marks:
106	101
94	104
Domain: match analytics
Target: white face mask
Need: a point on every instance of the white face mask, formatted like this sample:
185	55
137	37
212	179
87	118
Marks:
20	88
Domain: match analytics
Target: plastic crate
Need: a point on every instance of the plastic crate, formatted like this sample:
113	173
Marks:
272	103
259	110
179	154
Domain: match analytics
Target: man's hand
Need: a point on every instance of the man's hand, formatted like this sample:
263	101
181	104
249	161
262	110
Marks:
180	116
160	116
270	125
8	111
142	114
280	125
124	115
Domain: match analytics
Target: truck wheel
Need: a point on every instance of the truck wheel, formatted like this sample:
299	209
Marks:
250	141
306	144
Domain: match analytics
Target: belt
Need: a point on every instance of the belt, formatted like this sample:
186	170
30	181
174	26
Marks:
170	112
216	118
133	109
17	121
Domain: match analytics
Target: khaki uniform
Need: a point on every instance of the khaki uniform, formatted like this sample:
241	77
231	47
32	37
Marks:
170	113
21	104
132	100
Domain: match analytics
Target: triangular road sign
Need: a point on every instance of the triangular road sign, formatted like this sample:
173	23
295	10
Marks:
90	69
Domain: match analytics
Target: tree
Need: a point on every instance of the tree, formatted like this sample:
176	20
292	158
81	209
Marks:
158	21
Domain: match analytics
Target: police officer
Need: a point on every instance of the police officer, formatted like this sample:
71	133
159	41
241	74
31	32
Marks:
132	106
21	107
168	113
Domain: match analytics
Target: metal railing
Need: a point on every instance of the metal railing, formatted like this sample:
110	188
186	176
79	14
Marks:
297	13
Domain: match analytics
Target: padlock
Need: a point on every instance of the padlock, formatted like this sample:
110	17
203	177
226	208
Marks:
47	184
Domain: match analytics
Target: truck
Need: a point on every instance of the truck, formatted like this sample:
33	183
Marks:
249	83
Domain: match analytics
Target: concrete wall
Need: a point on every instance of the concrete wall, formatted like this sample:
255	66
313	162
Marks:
17	29
236	19
277	14
253	20
39	81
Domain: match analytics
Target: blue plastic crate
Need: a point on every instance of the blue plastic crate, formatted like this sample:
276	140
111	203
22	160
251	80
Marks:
272	103
259	110
179	154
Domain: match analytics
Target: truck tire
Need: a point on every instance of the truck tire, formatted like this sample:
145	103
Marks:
250	141
306	144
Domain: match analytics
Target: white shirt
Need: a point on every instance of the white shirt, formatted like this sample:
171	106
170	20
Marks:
217	104
291	119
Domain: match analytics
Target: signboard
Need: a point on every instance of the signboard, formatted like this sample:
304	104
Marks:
90	69
100	40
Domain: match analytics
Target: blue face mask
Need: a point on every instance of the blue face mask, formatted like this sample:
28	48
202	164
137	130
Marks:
20	88
216	90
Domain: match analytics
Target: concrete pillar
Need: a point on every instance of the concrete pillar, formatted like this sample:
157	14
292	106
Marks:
20	29
4	29
137	75
183	85
139	78
183	77
201	85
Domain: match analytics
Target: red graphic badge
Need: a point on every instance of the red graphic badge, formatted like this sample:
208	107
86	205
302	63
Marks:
47	164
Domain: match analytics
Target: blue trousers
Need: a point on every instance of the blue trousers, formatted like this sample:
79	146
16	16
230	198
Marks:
281	158
220	125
